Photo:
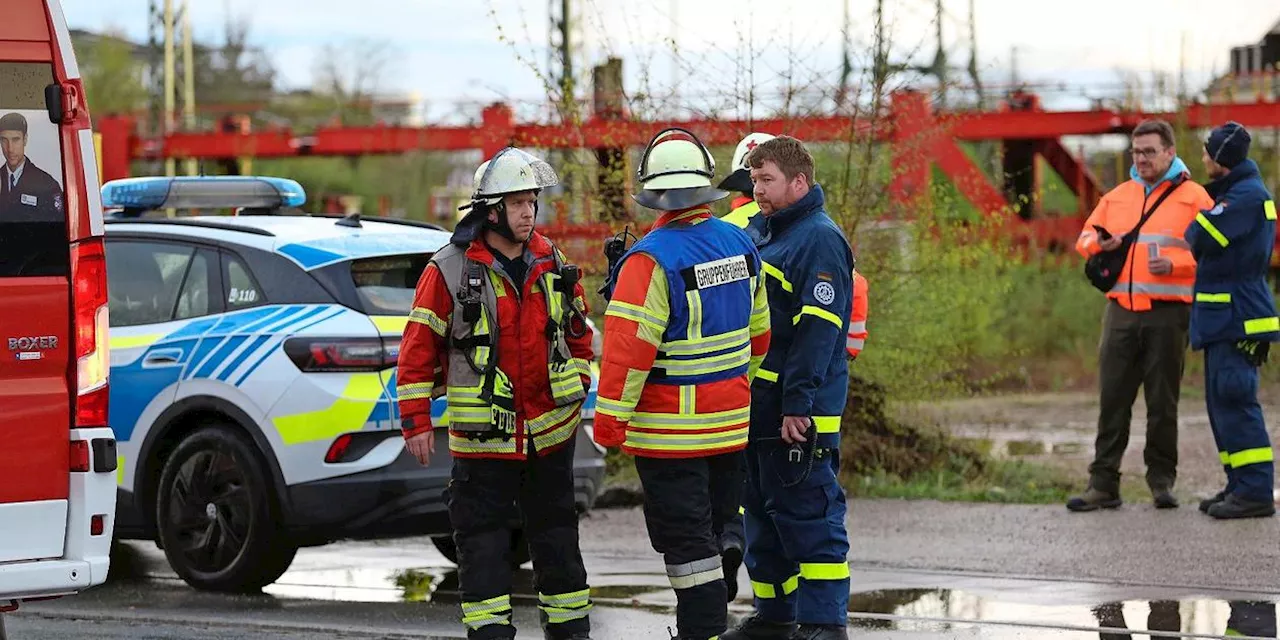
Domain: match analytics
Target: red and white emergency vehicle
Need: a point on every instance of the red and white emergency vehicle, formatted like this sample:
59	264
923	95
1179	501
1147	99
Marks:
57	453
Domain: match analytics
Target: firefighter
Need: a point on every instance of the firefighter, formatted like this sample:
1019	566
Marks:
1234	319
514	397
686	326
743	212
794	506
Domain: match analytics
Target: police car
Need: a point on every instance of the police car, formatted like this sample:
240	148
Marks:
253	378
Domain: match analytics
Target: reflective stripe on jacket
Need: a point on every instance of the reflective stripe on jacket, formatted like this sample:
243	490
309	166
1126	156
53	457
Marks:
544	395
809	276
744	209
1119	212
1232	243
686	326
857	337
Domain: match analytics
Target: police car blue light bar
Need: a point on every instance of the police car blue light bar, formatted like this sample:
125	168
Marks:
203	192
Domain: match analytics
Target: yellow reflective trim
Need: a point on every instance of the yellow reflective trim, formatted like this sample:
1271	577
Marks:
428	317
705	344
810	310
1251	456
1269	208
390	324
824	570
1213	231
571	599
742	511
1224	457
469	445
686	441
827	424
348	413
687	398
120	471
694	298
1213	297
741	216
636	313
130	342
765	374
674	421
499	289
766	590
1262	325
777	274
706	365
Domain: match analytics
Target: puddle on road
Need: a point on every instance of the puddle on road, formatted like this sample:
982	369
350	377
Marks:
932	609
988	608
1015	442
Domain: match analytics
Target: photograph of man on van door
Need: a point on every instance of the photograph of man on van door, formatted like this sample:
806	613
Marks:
27	192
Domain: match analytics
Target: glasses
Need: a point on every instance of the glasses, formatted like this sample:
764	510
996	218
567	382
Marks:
1149	152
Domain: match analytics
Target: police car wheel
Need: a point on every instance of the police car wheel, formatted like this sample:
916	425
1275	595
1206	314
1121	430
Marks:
519	548
216	514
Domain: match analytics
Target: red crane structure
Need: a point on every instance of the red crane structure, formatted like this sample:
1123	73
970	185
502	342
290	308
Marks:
918	136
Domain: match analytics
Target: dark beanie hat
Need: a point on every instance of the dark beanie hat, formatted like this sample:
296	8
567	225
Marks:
13	122
1228	145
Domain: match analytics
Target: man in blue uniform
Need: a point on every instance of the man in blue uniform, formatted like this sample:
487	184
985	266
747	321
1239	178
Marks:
1234	319
794	506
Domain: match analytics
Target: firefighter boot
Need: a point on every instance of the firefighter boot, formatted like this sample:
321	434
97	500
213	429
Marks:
1236	507
821	632
755	627
1209	502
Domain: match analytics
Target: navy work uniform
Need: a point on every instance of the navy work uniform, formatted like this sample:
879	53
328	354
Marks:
1233	318
794	506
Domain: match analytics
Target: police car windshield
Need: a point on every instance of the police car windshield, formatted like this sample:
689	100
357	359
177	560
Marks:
386	284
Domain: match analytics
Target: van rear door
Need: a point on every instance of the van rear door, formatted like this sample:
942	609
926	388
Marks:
35	305
53	319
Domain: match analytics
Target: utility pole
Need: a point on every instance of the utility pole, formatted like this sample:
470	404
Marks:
880	65
846	65
188	79
170	94
973	56
1013	68
940	56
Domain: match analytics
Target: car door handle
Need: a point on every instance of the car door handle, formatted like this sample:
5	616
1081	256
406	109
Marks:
163	357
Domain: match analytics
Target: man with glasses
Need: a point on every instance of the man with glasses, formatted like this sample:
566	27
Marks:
1144	332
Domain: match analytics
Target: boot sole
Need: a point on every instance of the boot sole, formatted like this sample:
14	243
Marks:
1259	513
1106	504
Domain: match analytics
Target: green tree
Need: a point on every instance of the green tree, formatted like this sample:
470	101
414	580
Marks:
112	73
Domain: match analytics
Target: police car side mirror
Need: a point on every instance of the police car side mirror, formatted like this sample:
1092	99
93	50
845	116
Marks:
53	103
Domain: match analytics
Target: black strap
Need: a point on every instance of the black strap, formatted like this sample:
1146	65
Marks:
1176	182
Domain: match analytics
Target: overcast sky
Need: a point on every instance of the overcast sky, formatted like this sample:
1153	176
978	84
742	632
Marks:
450	50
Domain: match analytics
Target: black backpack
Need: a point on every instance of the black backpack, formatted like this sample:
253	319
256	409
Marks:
1104	268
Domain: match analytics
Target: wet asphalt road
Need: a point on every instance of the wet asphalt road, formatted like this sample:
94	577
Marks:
921	570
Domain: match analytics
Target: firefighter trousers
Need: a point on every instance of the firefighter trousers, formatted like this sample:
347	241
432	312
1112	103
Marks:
797	545
687	502
483	493
1231	398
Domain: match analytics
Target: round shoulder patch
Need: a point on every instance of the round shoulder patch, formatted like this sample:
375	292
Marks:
824	292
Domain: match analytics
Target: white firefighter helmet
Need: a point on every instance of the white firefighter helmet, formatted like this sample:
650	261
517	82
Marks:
748	143
510	171
676	171
740	178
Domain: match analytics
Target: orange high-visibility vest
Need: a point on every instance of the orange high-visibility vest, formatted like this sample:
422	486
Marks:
1119	211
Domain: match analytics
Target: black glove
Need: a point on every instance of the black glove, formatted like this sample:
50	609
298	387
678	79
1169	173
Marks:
1254	351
